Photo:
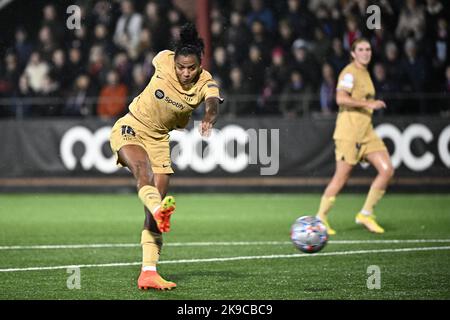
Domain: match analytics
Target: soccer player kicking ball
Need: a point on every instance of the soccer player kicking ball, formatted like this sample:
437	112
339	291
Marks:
355	138
140	139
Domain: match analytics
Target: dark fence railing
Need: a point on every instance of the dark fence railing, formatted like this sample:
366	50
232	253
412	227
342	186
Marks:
285	105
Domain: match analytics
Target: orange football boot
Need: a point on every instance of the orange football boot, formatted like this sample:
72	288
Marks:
163	213
152	280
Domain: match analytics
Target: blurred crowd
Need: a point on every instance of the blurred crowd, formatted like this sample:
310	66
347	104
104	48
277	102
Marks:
269	57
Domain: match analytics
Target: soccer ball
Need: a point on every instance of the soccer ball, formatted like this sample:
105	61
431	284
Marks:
309	234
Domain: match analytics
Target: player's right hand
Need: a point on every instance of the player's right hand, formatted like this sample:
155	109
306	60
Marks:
375	105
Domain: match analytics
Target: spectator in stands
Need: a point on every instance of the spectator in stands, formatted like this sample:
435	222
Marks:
176	19
445	106
113	97
128	28
46	43
411	22
253	70
220	67
75	64
314	5
147	64
98	65
36	70
415	70
275	78
51	20
23	106
434	10
328	90
446	87
237	38
305	63
357	10
9	78
101	14
101	38
59	70
217	35
259	11
22	46
145	45
140	81
261	39
295	99
50	102
386	89
124	68
301	19
378	41
81	41
81	99
337	58
159	27
352	32
239	103
392	62
321	45
285	35
277	72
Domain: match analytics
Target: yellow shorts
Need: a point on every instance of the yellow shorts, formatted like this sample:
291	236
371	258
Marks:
353	153
129	131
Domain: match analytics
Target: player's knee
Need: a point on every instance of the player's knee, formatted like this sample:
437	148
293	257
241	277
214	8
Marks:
391	172
387	172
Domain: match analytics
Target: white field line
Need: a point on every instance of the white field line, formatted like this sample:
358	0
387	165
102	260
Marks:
279	256
217	243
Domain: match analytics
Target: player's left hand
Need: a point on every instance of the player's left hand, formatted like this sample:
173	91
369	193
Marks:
205	128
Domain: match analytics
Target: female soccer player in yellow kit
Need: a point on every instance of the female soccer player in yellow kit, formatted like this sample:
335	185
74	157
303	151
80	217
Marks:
355	138
140	139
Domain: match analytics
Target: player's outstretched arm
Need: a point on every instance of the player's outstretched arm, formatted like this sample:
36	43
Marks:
210	118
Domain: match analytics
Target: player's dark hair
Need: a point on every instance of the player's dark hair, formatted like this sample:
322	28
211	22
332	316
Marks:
189	42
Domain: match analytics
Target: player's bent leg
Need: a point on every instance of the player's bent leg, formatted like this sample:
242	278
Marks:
381	161
137	160
163	213
167	207
328	199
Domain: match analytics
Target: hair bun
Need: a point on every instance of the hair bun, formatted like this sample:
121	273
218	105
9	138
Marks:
188	34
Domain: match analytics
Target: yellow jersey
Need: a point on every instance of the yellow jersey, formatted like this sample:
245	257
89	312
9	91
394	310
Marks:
164	105
355	124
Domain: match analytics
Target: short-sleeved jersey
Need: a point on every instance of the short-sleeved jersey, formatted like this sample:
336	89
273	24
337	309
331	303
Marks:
164	105
355	124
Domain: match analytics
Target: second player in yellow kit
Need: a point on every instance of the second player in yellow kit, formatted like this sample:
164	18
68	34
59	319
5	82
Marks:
140	139
355	138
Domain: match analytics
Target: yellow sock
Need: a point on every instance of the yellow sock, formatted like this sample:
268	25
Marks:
151	248
372	199
326	203
150	197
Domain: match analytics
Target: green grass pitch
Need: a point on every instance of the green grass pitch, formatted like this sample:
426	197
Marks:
252	229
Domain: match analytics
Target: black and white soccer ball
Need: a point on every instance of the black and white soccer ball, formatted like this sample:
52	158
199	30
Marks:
309	234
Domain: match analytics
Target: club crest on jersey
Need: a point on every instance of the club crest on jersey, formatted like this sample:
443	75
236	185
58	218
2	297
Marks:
159	94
